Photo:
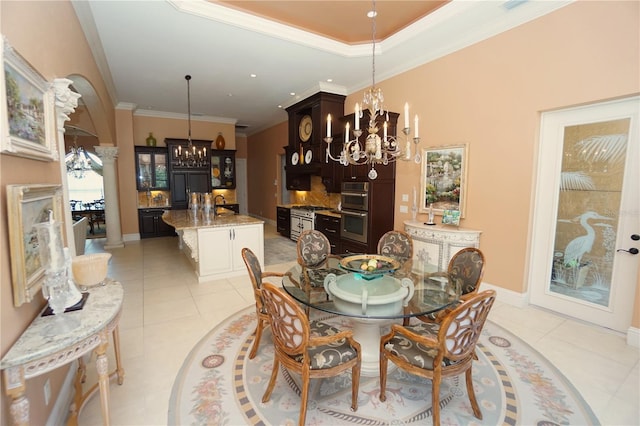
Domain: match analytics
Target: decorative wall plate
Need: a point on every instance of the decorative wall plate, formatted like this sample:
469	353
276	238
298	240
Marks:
305	129
308	156
294	158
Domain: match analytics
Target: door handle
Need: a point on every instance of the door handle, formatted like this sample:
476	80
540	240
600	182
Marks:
632	250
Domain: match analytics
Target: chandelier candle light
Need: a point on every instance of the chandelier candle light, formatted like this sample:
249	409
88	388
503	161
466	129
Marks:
376	150
190	156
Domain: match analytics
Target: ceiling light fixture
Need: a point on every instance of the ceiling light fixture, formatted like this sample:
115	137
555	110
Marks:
189	156
77	160
374	150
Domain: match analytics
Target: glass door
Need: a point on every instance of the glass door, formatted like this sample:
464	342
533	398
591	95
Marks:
587	213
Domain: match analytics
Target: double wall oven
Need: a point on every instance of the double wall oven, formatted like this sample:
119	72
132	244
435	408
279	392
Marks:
354	223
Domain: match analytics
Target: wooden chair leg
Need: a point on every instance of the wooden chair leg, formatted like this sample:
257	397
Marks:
383	376
256	341
304	398
355	385
472	394
435	400
272	380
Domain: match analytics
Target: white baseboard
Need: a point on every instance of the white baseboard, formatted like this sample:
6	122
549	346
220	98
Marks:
60	411
633	337
507	296
131	237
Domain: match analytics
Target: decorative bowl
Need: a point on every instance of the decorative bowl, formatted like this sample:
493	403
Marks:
90	269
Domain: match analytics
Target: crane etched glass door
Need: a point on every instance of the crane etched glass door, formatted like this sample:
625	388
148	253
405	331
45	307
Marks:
586	218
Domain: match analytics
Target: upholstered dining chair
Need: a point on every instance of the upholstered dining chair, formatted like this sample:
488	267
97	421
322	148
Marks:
398	245
467	268
437	350
314	252
257	276
312	349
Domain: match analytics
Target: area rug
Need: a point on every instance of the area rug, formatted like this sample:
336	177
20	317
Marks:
279	250
514	385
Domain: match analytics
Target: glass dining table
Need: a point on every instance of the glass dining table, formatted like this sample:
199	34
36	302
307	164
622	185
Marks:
372	298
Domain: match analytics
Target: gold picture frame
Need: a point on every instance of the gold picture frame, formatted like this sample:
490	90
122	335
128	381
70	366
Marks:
444	178
28	205
27	109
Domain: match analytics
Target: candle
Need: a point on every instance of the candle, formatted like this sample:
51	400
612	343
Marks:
179	149
346	134
416	125
176	151
385	131
357	118
205	151
406	115
328	125
55	245
194	150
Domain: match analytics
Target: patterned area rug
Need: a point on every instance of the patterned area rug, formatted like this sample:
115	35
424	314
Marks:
279	250
514	384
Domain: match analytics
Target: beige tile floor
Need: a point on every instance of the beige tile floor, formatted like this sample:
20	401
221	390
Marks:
166	312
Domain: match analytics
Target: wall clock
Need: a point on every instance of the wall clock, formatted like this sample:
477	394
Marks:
305	128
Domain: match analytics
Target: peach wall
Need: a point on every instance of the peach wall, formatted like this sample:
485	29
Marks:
264	149
54	50
490	96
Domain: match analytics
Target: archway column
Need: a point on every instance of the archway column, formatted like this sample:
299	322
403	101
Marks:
108	155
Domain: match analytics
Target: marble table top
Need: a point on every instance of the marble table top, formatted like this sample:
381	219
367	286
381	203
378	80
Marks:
42	338
184	219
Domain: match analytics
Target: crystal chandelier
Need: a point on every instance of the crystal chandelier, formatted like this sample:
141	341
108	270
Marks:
78	161
189	155
375	150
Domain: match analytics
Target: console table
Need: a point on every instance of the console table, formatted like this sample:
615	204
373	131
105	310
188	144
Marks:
40	350
436	244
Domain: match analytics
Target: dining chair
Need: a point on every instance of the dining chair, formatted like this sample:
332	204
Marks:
438	350
398	245
312	349
257	278
314	252
467	268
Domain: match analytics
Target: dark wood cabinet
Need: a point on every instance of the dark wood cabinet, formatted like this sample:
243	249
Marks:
283	221
223	169
185	182
330	227
185	178
352	247
151	225
151	168
305	153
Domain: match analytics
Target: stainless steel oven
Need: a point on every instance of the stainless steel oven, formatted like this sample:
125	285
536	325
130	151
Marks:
355	196
354	223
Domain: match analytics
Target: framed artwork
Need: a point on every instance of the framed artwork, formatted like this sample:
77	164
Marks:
27	110
28	205
451	217
443	178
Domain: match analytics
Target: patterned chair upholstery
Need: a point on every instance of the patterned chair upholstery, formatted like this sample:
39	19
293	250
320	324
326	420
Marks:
396	244
310	348
256	275
314	251
434	351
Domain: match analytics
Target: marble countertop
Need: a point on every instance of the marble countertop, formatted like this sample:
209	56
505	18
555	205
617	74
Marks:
184	219
43	338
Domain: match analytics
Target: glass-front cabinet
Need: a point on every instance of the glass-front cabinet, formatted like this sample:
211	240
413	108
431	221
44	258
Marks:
223	169
151	168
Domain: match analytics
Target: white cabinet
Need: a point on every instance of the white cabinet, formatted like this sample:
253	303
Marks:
436	244
220	250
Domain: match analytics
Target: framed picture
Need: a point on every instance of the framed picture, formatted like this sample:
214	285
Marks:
28	205
451	217
27	110
443	178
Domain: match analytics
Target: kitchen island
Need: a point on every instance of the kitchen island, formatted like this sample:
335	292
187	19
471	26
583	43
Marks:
214	245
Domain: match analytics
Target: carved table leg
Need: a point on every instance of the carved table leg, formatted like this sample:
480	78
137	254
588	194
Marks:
15	388
116	348
102	367
79	397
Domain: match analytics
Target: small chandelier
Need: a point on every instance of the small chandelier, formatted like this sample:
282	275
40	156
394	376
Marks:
375	150
78	161
189	156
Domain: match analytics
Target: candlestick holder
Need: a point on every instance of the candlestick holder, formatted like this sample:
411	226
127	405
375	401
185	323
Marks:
431	216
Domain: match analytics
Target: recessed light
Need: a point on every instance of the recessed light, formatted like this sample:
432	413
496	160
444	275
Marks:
280	106
329	80
372	14
253	75
292	93
230	95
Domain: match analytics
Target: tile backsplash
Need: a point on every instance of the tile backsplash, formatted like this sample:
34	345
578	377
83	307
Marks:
318	195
